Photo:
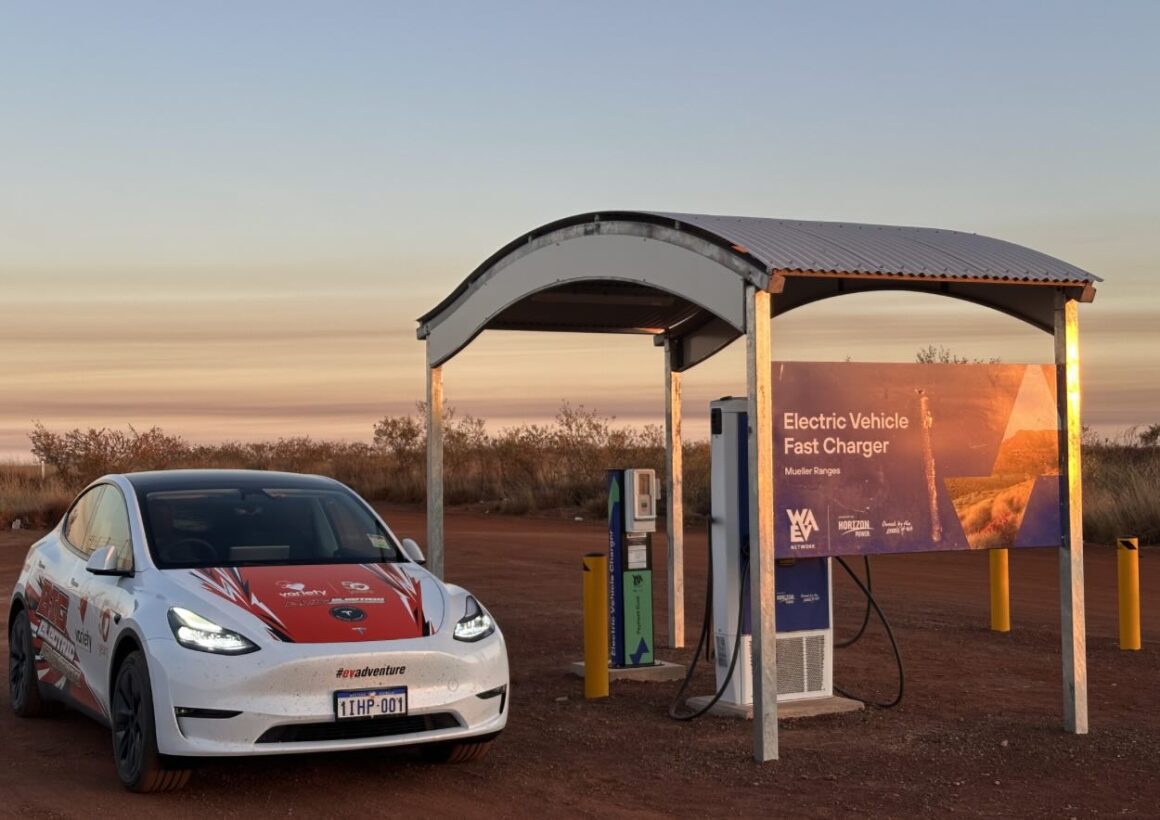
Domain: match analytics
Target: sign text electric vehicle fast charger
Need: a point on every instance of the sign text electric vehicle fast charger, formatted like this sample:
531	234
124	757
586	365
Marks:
881	458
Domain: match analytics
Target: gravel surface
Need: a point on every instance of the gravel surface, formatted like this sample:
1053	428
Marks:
979	732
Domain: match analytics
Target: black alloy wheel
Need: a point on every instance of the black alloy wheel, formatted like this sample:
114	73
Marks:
23	687
139	765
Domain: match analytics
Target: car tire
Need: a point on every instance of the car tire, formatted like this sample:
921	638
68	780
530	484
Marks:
23	683
465	751
139	765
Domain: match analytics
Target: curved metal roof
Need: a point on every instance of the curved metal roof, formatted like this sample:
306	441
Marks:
850	247
591	273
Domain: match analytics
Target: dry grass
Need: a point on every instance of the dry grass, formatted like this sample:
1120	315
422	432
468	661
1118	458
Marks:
26	496
1121	493
557	467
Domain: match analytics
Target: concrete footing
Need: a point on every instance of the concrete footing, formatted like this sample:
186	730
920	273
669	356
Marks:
660	671
786	710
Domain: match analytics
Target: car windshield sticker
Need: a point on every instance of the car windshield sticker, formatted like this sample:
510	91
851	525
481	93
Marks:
377	540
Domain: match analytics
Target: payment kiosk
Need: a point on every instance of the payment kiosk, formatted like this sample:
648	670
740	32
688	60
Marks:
632	518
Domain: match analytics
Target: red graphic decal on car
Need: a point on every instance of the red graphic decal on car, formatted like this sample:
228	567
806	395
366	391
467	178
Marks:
57	662
229	583
325	603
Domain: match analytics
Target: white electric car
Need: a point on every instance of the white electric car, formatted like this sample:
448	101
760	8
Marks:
217	612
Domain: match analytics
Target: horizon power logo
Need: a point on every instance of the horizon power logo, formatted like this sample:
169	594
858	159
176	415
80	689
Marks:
802	525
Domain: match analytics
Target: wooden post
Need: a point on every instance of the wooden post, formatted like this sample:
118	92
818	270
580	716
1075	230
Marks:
675	506
435	470
1071	593
759	361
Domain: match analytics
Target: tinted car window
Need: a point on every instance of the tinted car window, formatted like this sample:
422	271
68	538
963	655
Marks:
110	525
76	522
248	526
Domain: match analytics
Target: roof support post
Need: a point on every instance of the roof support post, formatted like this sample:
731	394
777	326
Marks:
675	505
435	470
1071	592
759	361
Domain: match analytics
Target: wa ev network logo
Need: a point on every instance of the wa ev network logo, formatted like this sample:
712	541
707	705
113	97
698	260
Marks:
802	525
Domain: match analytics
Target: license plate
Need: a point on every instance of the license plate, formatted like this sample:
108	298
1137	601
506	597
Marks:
370	703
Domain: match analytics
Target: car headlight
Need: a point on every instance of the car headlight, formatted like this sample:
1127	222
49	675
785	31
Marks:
195	632
475	624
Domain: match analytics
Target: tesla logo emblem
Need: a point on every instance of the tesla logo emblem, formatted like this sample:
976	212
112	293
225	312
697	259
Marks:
348	613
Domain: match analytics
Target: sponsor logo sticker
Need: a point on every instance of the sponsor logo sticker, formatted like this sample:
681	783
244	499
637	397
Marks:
852	525
802	525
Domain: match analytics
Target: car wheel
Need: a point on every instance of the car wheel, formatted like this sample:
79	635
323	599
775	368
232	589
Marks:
23	684
139	765
464	751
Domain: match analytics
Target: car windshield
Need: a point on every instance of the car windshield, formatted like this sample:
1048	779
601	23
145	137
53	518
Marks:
250	527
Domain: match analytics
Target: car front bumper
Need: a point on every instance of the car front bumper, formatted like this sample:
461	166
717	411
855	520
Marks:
280	700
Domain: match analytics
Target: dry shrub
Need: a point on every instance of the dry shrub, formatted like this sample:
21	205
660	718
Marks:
523	469
518	470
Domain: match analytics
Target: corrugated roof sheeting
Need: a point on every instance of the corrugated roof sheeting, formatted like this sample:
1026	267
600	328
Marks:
851	248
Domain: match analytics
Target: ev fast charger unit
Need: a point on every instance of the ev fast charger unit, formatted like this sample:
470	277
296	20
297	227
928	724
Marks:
804	608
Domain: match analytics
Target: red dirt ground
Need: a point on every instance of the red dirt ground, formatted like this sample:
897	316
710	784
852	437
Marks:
979	732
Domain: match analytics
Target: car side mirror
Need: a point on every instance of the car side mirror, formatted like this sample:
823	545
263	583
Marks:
414	551
105	561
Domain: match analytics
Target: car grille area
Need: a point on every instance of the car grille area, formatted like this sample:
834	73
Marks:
358	729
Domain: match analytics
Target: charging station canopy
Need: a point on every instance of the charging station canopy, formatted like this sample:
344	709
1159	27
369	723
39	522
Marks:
698	282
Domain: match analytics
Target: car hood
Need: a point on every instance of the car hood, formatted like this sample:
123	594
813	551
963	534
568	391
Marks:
327	603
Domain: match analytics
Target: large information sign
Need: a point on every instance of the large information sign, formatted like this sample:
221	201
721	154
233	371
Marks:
874	458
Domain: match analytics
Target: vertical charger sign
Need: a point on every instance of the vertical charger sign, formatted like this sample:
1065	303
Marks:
631	520
881	458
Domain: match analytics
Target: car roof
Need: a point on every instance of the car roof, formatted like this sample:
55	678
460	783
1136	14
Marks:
170	480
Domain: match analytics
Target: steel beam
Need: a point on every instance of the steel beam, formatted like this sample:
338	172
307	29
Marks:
759	361
1071	592
675	505
435	470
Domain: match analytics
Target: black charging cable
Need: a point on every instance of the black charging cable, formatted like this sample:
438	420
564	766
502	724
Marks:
674	707
889	634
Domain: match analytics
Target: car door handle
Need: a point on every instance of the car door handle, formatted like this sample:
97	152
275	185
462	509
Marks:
40	564
73	582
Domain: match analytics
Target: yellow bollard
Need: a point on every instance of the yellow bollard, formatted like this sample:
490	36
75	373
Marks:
595	625
1000	592
1128	577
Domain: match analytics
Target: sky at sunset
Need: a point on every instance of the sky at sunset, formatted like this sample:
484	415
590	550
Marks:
224	218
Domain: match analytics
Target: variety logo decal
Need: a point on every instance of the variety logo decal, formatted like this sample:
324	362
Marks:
370	672
802	525
297	591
